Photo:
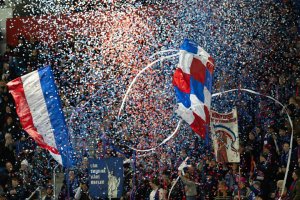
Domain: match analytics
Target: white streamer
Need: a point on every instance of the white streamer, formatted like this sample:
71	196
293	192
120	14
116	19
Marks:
129	89
135	78
163	51
173	186
184	162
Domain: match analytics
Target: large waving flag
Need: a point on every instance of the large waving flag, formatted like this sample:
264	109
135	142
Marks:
193	84
39	109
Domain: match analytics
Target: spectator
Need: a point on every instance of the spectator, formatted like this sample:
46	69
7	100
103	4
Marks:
294	191
49	193
157	192
7	150
16	191
255	190
223	191
296	153
283	137
242	191
283	159
82	192
277	195
63	194
72	181
190	186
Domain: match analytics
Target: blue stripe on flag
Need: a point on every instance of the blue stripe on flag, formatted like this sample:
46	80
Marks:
197	89
189	46
182	97
208	80
56	116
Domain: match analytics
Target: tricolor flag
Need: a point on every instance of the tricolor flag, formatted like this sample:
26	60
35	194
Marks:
193	84
39	109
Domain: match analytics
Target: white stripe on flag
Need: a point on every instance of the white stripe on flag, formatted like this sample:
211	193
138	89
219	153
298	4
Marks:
185	113
185	61
57	157
197	106
207	97
203	59
36	102
202	52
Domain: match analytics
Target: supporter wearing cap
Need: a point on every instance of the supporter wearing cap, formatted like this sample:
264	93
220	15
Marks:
24	163
25	174
49	193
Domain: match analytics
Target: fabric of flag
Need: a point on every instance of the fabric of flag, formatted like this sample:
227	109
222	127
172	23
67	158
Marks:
193	84
39	109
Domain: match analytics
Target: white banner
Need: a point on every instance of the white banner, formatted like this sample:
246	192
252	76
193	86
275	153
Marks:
224	133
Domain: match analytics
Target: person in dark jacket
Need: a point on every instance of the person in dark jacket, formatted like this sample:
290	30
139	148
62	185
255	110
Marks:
294	190
82	192
16	191
49	193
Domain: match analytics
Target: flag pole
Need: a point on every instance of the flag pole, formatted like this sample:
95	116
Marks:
54	181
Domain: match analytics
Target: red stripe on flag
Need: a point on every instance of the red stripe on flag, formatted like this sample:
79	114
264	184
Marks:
199	126
198	70
182	81
210	65
207	115
16	89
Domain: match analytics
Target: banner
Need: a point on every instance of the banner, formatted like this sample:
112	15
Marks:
224	132
39	109
106	178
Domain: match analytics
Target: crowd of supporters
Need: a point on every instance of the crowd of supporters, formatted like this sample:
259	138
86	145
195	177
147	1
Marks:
93	75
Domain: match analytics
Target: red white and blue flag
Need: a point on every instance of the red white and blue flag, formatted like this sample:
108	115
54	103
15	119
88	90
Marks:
39	109
193	84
